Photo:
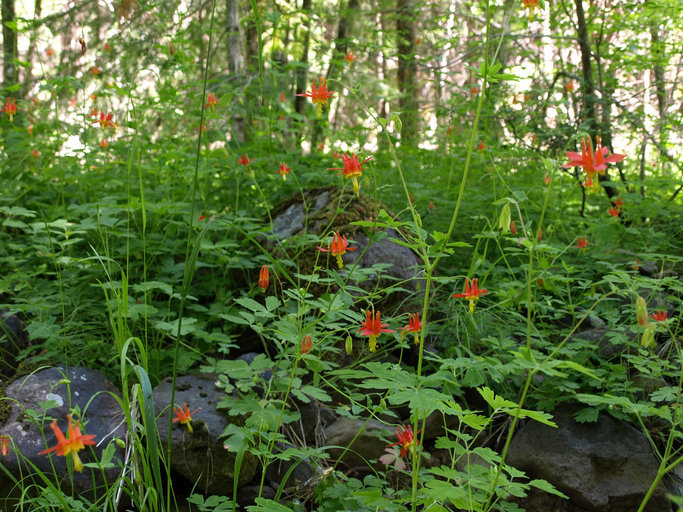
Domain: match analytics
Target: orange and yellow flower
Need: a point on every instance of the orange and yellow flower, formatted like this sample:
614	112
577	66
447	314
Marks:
306	345
414	326
338	247
352	169
350	58
211	101
284	171
184	416
10	109
70	445
244	160
406	440
472	292
318	95
592	162
659	316
4	445
263	278
582	243
372	328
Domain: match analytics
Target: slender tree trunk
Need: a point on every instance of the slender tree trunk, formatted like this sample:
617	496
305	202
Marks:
659	58
9	40
341	43
589	114
233	37
38	10
251	36
302	74
407	70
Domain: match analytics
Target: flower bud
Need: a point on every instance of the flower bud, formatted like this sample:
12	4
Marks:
641	311
505	218
648	338
349	345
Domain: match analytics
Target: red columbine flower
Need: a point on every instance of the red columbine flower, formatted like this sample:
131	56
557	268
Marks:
474	90
306	345
10	109
350	57
184	416
318	96
244	160
104	119
263	278
582	244
481	146
84	46
4	445
414	326
72	444
546	180
659	316
282	96
614	212
284	171
590	161
352	169
107	47
372	327
472	292
338	247
406	440
618	202
211	101
95	70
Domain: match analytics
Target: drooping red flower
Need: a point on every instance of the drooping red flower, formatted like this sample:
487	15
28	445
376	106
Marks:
49	51
338	247
372	328
244	160
284	171
104	144
72	444
211	101
107	47
474	90
105	120
546	180
614	212
582	243
414	326
352	169
306	345
184	416
95	70
472	292
406	439
10	109
4	445
591	162
318	95
659	316
282	96
481	146
569	86
263	278
618	202
84	46
350	57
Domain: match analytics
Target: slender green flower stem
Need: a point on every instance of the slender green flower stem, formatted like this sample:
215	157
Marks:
187	275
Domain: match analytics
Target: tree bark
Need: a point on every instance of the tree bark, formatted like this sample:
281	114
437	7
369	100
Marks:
38	10
302	74
659	60
407	70
233	37
589	114
9	39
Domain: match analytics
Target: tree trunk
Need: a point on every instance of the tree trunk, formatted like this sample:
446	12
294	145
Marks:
589	114
233	37
9	39
659	58
38	10
302	75
341	43
407	70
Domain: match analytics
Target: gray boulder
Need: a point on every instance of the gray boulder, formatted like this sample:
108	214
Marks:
200	456
606	466
50	394
368	445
